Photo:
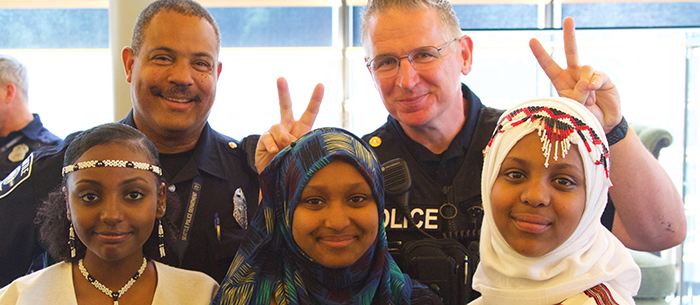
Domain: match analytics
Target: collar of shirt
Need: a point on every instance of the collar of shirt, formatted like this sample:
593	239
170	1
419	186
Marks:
32	130
207	156
434	163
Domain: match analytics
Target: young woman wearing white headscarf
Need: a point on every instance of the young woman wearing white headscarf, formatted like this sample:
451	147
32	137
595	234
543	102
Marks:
545	183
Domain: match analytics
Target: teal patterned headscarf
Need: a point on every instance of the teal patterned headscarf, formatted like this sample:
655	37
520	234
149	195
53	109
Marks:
270	263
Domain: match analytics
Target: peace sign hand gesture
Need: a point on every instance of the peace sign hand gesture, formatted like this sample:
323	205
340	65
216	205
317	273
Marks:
288	130
593	89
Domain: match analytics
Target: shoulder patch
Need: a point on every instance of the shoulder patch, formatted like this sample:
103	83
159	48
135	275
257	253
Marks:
17	176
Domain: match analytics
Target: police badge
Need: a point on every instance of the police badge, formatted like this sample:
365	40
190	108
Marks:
240	209
18	153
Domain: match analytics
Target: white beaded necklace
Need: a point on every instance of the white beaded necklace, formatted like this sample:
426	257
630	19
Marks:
114	295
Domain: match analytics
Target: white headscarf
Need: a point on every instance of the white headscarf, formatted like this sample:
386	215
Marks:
591	255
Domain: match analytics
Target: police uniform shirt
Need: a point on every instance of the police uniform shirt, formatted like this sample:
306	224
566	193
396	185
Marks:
453	176
223	165
459	165
17	145
443	167
450	181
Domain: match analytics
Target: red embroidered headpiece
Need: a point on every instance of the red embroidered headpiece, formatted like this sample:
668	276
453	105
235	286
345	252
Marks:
556	130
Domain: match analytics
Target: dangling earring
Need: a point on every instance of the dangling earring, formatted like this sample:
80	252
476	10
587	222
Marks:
71	240
161	246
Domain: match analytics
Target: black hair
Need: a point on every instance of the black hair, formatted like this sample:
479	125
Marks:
52	214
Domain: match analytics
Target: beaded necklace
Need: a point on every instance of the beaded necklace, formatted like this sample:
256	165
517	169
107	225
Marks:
114	295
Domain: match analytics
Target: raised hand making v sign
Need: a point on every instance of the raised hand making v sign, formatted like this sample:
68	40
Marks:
582	83
649	212
288	130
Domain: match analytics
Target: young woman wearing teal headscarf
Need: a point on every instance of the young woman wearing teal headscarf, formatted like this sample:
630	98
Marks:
319	237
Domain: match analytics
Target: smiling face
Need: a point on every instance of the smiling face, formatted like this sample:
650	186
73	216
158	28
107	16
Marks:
173	78
336	219
113	210
423	98
537	208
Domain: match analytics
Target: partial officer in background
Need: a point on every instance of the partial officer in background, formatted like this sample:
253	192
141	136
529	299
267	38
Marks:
21	132
173	68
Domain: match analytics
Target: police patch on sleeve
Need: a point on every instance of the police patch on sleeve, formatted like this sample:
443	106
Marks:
17	176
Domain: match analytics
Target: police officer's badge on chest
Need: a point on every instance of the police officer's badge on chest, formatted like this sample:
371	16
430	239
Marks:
18	153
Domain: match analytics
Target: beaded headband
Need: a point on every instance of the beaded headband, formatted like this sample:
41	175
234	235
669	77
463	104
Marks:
111	163
556	130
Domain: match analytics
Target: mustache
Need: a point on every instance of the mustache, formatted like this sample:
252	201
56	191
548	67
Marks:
175	90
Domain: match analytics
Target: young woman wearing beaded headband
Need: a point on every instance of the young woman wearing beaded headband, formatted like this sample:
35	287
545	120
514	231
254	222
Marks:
545	181
108	224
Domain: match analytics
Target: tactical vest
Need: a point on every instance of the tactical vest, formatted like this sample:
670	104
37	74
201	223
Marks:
427	197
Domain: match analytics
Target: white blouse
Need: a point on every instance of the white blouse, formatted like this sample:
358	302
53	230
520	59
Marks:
54	285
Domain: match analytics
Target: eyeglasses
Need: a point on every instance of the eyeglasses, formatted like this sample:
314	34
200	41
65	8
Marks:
384	66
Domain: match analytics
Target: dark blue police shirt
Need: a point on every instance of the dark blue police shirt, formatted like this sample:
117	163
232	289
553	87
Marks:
223	163
17	145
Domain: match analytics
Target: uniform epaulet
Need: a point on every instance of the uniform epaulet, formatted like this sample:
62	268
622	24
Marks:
248	145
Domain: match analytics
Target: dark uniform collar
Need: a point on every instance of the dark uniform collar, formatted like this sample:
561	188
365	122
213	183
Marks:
207	156
32	130
459	145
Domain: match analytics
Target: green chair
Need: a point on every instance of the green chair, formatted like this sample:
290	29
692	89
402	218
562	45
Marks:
654	139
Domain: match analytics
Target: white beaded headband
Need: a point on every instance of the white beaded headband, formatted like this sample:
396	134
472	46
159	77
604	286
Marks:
111	163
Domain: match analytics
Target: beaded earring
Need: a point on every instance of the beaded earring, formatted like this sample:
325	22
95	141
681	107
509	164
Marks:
161	246
71	240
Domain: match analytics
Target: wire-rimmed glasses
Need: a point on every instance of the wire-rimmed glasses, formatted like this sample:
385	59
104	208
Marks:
384	66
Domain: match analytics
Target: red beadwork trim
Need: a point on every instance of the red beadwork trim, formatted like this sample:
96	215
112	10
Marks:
601	294
557	126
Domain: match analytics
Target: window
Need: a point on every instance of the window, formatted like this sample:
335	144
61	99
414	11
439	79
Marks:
66	54
260	44
650	49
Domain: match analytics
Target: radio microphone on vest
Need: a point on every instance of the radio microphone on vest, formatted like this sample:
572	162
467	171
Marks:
397	183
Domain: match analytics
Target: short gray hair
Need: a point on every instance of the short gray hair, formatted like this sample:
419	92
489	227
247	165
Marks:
13	71
183	7
448	18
